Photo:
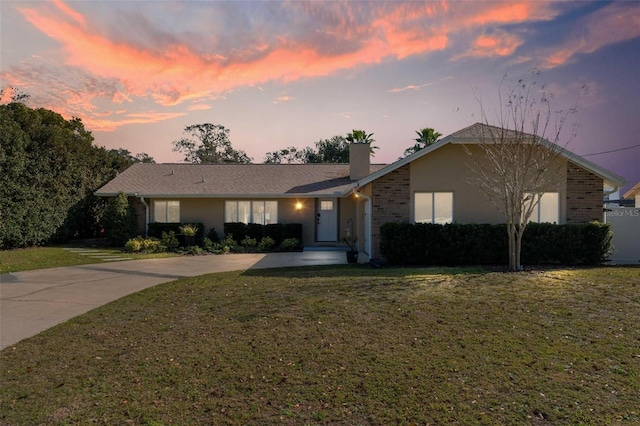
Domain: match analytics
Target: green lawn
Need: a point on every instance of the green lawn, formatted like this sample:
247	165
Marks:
51	257
342	345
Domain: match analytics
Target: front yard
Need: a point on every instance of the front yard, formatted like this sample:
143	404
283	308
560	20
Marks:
56	256
342	345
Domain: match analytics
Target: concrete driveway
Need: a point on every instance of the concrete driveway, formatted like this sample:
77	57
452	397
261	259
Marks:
33	301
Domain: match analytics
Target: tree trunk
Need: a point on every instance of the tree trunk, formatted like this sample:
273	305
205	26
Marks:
519	250
511	229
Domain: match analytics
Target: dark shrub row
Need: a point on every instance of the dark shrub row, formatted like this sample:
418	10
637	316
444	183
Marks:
277	231
483	244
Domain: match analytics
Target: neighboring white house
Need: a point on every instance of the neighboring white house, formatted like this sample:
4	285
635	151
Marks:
625	225
634	193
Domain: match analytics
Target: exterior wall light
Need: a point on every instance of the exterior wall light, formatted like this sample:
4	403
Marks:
298	205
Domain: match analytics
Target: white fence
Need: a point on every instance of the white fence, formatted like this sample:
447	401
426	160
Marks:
625	224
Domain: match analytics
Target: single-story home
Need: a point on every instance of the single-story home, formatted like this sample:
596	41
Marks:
334	200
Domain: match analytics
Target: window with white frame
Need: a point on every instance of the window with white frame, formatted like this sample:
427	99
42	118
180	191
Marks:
166	211
262	212
548	208
433	207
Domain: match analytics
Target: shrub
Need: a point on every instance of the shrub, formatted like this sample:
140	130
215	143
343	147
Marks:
289	244
119	220
275	231
134	245
157	228
292	230
238	229
152	245
229	244
212	235
149	245
248	242
483	244
266	244
255	231
169	240
189	229
193	250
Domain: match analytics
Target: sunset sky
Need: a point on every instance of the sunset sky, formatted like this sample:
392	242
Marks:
291	73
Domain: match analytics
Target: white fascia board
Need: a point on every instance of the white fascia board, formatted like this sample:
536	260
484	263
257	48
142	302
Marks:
337	194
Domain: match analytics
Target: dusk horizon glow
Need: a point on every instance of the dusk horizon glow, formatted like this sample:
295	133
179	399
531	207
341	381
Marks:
290	73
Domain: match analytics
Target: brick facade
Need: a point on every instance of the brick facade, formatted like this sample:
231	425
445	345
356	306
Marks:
584	195
391	202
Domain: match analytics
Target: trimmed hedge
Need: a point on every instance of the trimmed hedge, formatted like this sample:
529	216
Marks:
483	244
157	228
276	231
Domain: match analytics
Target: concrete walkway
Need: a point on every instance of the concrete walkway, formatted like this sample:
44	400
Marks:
33	301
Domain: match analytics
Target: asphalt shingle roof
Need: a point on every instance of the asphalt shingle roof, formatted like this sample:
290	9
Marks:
239	180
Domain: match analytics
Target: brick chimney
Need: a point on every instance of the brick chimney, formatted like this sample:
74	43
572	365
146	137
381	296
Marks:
359	160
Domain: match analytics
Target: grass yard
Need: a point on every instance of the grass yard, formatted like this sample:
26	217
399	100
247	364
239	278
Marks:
342	345
52	257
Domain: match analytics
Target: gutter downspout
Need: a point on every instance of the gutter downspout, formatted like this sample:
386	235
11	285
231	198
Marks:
369	218
146	216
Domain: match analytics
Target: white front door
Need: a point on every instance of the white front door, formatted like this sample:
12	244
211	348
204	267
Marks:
327	220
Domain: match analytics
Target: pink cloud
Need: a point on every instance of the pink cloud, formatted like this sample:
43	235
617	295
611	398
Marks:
513	12
199	107
96	123
77	17
179	73
322	39
500	43
283	97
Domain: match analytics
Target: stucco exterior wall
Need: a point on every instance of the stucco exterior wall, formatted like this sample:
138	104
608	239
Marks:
445	170
210	211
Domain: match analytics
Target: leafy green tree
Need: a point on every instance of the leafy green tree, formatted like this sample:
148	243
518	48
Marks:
289	155
332	150
123	158
209	143
48	167
120	222
50	170
426	137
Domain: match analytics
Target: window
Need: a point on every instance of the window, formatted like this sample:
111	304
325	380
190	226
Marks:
326	205
262	212
547	210
166	211
433	207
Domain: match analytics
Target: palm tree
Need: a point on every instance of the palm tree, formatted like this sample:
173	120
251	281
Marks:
426	137
360	136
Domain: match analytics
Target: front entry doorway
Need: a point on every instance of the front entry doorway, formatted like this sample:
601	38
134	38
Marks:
327	220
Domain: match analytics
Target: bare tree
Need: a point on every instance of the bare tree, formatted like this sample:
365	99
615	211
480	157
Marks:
515	162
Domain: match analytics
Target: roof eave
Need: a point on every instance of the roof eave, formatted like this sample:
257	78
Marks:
336	194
